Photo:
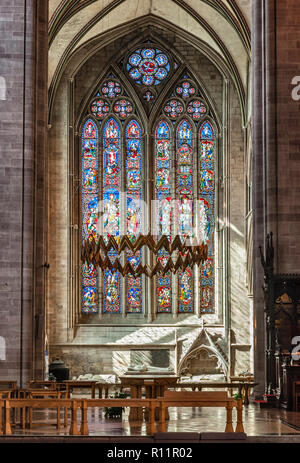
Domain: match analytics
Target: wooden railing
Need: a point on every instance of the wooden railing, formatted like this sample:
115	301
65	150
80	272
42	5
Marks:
170	399
204	399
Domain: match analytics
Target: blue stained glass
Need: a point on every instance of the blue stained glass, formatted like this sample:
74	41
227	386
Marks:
89	163
207	199
147	80
161	74
163	195
206	131
134	73
148	66
135	59
134	157
148	53
162	60
111	187
184	195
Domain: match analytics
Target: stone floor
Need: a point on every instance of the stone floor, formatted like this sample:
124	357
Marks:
257	422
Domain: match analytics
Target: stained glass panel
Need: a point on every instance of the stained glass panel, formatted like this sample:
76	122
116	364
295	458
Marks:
89	164
185	89
99	108
111	89
163	195
123	108
173	109
185	212
148	66
196	109
206	213
112	162
134	172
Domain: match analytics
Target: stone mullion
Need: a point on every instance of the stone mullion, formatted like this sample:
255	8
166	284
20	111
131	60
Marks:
73	230
224	313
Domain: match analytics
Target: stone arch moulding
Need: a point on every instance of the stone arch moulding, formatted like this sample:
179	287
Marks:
225	65
184	364
81	117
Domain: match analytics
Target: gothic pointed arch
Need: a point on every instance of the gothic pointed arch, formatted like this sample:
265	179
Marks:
176	150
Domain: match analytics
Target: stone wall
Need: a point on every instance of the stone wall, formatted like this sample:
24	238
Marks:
23	63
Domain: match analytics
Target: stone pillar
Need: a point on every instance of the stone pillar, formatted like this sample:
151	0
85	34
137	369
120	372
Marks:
23	57
287	20
259	206
276	148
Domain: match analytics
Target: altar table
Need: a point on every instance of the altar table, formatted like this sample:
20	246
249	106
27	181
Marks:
154	386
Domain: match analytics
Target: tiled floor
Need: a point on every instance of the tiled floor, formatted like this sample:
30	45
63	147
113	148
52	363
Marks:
257	422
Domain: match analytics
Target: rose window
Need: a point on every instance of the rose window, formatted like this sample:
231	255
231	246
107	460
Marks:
196	109
173	109
111	89
148	66
99	108
185	90
123	108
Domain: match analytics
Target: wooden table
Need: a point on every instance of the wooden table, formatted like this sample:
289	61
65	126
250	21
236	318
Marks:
153	385
7	384
243	387
70	384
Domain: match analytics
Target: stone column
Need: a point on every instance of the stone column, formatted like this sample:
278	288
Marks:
258	202
287	68
276	147
23	54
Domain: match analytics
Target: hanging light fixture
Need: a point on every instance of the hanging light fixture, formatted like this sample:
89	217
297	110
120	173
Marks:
95	251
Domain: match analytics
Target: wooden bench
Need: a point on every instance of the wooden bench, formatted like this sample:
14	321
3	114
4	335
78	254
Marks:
203	399
73	405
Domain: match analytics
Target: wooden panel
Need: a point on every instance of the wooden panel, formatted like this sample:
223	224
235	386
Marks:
190	395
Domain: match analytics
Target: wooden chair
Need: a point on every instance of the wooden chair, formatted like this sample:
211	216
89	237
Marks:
296	395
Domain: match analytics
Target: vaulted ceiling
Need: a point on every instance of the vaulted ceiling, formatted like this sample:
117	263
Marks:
221	27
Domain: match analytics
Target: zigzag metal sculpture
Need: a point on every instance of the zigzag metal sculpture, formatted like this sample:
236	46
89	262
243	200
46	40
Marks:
187	255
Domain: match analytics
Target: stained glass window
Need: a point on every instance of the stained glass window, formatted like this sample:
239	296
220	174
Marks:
184	196
111	89
148	96
112	177
207	142
173	109
196	109
123	108
148	66
185	89
163	196
134	174
100	108
184	137
89	185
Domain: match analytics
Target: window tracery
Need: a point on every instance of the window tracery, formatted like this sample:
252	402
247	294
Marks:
183	158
